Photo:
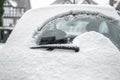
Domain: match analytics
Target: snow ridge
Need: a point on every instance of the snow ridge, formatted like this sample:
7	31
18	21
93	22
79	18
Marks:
92	39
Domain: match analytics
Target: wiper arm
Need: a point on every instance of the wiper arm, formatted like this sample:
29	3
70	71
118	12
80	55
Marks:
57	46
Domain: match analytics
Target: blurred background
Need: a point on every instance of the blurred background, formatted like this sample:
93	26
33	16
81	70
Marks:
12	10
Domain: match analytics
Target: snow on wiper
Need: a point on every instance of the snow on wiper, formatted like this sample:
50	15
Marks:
57	46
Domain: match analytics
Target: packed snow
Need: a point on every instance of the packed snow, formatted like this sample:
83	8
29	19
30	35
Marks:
98	58
91	40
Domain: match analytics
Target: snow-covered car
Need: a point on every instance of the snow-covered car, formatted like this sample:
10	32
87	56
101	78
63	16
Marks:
64	42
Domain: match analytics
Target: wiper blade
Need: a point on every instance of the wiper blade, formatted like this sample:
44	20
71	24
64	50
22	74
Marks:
57	46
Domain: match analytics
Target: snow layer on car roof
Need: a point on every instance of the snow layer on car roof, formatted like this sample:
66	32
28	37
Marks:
105	9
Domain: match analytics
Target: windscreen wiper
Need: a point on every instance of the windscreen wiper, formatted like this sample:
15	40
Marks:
57	46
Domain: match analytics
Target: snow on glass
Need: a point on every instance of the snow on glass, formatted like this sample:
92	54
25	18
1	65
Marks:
73	23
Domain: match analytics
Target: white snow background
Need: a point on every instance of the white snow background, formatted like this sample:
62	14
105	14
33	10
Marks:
98	58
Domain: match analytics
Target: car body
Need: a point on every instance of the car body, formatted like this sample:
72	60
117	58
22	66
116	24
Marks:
23	58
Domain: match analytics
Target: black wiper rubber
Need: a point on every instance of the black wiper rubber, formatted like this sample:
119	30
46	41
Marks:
52	47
